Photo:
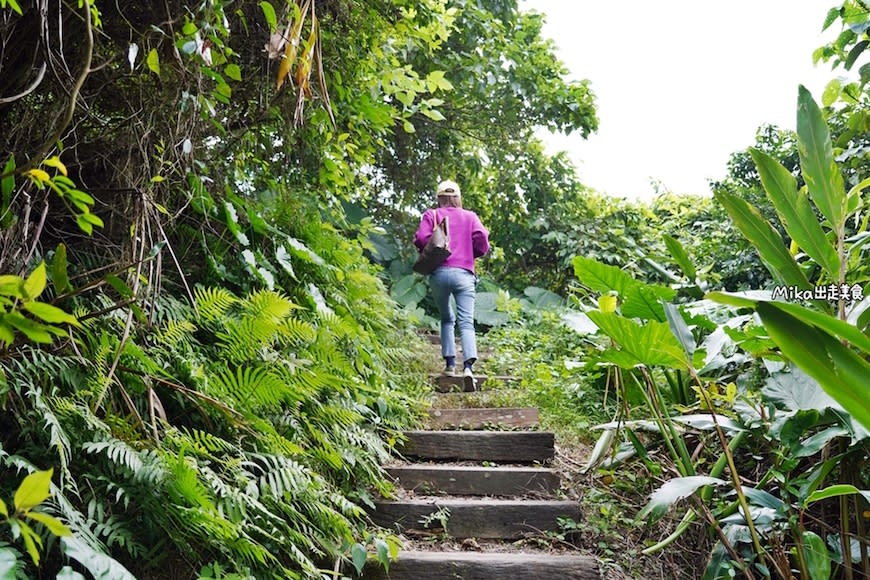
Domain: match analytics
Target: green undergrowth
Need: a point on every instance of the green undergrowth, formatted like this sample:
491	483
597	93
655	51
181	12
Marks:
241	431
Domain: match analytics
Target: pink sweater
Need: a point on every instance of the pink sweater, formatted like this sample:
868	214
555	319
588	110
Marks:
468	238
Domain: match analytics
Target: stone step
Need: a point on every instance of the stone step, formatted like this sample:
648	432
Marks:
466	480
419	565
505	446
474	518
480	418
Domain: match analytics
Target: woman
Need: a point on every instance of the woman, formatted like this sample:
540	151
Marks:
455	276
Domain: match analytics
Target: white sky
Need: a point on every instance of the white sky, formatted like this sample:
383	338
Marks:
682	84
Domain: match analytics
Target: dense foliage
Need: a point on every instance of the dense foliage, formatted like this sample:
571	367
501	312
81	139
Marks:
206	303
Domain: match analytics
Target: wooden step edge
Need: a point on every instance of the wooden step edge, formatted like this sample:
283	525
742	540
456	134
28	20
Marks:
480	417
473	517
438	565
476	481
503	446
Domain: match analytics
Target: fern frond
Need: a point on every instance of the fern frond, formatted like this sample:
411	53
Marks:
175	332
249	386
116	450
213	303
268	305
296	332
242	340
205	443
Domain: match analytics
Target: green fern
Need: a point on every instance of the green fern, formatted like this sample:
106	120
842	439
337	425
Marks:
268	305
174	333
249	387
213	303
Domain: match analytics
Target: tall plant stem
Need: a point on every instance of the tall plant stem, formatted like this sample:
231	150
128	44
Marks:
732	468
846	545
673	441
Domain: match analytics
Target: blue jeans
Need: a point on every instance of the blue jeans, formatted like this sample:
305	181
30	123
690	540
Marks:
460	284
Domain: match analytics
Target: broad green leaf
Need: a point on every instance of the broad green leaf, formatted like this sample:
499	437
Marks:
32	330
644	301
839	328
269	13
543	298
831	93
49	313
153	61
435	80
766	240
831	17
681	257
9	564
4	511
673	491
818	441
651	344
602	277
234	72
383	553
35	283
433	114
358	554
12	286
7	334
84	225
34	489
816	555
795	211
54	525
101	566
59	275
840	372
823	178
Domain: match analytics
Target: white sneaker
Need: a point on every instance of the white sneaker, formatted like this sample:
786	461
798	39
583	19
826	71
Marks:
468	380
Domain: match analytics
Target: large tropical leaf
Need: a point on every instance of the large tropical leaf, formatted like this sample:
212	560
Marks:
602	277
650	344
819	170
673	491
766	240
816	556
841	372
642	301
795	211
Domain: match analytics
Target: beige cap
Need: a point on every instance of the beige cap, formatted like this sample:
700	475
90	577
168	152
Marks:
448	187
